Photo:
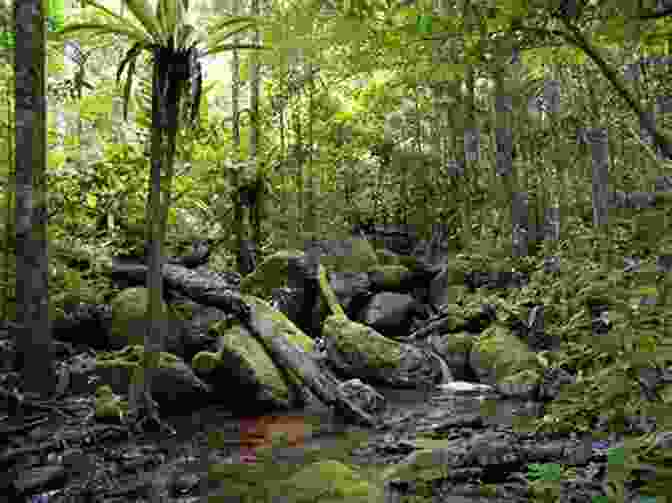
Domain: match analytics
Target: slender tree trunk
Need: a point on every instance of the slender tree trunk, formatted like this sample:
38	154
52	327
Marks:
255	130
468	131
9	204
32	267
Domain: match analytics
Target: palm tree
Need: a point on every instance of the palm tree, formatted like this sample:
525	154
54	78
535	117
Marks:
173	44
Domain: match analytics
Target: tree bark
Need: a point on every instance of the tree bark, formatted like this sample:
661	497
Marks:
33	338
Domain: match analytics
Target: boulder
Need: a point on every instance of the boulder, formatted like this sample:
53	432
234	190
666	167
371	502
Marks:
244	362
358	351
389	277
175	387
284	278
85	324
129	321
391	314
346	255
352	289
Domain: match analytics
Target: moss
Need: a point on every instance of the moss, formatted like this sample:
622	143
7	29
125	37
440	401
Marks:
386	257
460	342
330	481
500	350
352	337
205	362
255	357
129	315
272	273
238	341
328	294
131	357
361	257
390	275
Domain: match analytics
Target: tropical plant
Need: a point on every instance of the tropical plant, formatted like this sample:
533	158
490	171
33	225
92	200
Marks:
165	30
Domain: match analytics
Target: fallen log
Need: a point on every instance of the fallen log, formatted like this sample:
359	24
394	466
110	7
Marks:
211	291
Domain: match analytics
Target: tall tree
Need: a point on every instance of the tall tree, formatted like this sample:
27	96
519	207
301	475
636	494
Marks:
33	336
173	44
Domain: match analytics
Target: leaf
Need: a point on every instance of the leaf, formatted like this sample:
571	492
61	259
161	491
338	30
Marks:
143	13
424	24
248	22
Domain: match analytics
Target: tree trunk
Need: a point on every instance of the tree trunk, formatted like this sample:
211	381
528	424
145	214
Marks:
32	266
253	235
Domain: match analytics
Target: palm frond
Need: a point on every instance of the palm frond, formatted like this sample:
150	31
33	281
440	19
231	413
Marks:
142	11
131	56
129	32
166	15
183	36
228	47
119	19
214	32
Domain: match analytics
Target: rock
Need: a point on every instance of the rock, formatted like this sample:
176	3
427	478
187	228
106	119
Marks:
129	323
389	277
175	387
85	324
358	351
391	314
346	255
242	361
352	289
284	278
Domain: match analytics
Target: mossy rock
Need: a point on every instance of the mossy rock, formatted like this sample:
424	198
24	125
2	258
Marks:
352	337
348	255
423	466
242	350
330	482
389	277
271	273
460	342
282	325
119	368
129	317
387	257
